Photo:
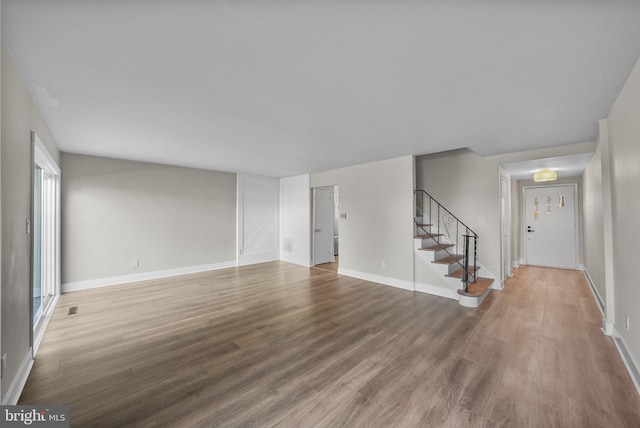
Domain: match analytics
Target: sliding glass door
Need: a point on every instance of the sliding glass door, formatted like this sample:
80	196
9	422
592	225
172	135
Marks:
37	243
45	231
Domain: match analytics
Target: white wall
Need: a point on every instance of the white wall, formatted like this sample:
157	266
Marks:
378	201
116	211
295	220
20	116
624	146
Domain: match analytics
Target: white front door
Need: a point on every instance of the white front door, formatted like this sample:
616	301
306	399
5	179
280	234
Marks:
322	226
550	226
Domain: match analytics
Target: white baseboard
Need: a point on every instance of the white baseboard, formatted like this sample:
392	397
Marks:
630	363
14	391
594	291
437	291
393	282
296	262
124	279
253	259
38	334
608	329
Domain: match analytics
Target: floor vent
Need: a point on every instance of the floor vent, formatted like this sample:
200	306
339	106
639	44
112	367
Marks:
73	310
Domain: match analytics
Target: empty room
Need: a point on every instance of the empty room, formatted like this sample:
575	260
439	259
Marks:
319	214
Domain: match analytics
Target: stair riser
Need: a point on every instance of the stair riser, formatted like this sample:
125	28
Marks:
422	230
428	242
440	254
453	267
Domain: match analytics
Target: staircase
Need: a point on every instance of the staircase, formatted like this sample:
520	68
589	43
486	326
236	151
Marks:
452	250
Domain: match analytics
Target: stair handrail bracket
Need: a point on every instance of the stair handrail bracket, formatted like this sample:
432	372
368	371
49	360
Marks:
432	214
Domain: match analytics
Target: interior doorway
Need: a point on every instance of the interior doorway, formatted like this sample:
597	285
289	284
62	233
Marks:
325	233
550	226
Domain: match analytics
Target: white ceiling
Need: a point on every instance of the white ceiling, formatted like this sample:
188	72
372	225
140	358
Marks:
565	166
288	87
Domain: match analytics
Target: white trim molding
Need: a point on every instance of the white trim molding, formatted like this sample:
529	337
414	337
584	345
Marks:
384	280
124	279
608	328
594	291
254	259
434	290
632	365
15	390
42	325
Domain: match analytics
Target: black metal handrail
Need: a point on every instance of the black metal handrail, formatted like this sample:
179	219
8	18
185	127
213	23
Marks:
447	219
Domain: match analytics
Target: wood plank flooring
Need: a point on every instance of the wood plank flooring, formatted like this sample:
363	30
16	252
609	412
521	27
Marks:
331	266
280	345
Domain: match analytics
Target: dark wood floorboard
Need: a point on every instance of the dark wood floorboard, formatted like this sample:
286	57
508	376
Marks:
278	345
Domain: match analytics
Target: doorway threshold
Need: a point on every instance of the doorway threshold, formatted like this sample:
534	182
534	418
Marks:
328	267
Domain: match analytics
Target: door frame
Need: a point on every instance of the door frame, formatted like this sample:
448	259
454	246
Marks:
313	222
41	157
576	218
244	185
505	224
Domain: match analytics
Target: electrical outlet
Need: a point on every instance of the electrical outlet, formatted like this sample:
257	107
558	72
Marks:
383	265
626	322
135	263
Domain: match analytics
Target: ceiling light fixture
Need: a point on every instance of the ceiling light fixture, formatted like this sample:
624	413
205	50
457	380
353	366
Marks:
545	175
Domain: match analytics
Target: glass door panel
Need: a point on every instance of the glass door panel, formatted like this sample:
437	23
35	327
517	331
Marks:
45	227
37	243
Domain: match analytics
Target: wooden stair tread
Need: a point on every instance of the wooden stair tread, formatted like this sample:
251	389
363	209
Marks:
437	247
424	224
449	259
477	288
458	273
